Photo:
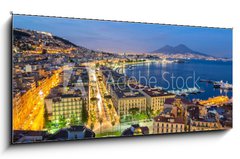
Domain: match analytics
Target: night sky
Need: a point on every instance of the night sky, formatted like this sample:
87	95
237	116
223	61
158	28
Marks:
130	37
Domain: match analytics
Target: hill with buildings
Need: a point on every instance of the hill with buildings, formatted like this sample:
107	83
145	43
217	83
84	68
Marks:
30	41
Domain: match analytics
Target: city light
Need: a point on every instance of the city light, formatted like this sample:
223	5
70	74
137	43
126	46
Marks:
62	91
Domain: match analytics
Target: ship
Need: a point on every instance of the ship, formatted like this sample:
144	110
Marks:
217	84
186	92
226	86
222	85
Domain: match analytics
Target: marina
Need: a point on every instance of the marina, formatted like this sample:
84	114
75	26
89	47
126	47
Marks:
219	84
203	88
186	92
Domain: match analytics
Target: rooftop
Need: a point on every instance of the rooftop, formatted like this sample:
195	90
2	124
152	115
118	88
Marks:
169	119
58	92
156	92
123	91
183	100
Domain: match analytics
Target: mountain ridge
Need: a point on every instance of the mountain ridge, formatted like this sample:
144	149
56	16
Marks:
179	49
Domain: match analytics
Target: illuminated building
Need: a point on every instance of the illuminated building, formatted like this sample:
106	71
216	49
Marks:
28	68
219	100
64	105
156	98
28	106
205	125
168	124
175	121
125	99
177	108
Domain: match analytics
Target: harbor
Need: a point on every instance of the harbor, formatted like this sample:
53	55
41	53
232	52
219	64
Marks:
219	84
187	91
203	88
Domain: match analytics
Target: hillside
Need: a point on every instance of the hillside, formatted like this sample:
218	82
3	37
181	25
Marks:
38	42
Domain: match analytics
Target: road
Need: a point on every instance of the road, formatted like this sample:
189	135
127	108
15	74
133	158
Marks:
102	117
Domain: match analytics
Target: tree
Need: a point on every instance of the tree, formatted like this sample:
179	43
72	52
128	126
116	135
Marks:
109	106
100	121
84	112
107	96
74	120
113	124
92	126
133	111
62	122
94	100
157	112
49	125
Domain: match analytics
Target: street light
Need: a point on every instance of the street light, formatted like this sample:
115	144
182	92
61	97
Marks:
40	92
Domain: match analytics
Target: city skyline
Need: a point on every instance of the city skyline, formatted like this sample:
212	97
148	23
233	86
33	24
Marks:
131	37
65	92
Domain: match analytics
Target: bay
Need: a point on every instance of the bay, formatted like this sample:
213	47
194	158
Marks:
177	76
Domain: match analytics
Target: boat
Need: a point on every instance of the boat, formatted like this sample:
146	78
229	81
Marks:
226	86
217	84
222	85
186	92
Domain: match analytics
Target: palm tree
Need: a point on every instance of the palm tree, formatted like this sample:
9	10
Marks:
107	97
84	112
109	106
92	126
94	101
113	123
100	121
